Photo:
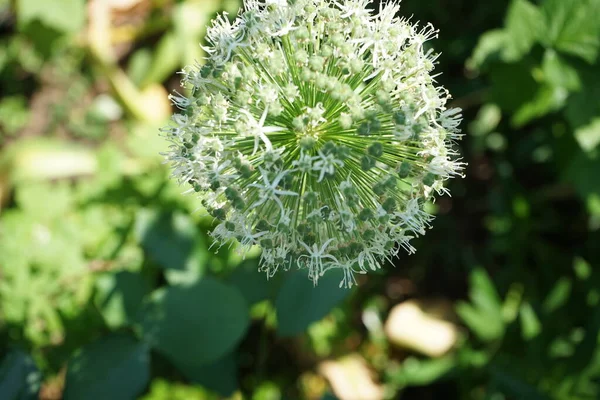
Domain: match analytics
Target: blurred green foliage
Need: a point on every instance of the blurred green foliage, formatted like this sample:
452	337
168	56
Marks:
108	287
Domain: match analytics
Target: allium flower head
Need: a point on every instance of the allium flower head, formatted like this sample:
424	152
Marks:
315	130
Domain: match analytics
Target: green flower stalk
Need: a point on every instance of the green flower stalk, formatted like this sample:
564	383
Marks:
315	130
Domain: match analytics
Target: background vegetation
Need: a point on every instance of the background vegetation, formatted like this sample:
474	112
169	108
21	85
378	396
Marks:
108	288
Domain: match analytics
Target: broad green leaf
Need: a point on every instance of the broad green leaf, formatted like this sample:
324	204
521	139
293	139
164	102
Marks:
558	72
300	302
253	284
63	15
573	27
119	297
524	27
171	240
19	377
115	367
197	324
219	376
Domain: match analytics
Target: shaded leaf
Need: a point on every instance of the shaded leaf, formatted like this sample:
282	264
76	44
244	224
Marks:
252	283
115	367
546	100
196	324
219	376
19	377
300	303
170	239
119	297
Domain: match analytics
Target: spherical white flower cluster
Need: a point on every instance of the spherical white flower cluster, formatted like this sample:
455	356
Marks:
316	131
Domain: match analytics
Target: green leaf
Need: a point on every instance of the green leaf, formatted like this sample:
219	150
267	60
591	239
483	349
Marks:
63	15
415	372
588	136
530	324
573	27
558	72
518	75
484	315
546	100
524	26
583	174
253	284
171	240
219	376
300	303
580	109
19	377
558	296
119	296
196	324
115	367
489	47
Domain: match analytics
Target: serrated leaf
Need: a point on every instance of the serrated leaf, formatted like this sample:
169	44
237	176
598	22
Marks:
115	367
196	324
573	27
300	303
558	72
19	377
524	26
